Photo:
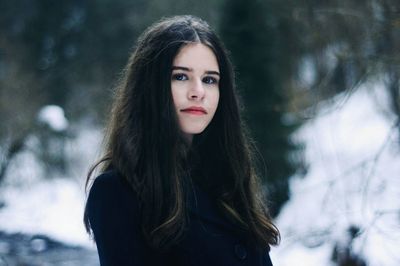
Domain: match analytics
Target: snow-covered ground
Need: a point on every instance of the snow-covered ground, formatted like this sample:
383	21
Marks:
352	180
51	205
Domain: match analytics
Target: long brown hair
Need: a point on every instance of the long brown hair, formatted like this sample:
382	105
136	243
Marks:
144	144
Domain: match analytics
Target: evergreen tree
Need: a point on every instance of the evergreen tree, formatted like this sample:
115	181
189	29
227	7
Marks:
251	33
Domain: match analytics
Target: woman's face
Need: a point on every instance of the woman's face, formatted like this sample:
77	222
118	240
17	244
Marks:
195	87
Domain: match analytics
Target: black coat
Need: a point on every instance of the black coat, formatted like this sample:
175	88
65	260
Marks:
210	240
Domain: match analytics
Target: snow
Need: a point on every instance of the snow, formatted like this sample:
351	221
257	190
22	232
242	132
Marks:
36	203
307	72
51	207
354	164
53	116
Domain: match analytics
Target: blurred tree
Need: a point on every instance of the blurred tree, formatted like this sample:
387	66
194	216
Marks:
251	32
69	53
389	51
346	44
62	53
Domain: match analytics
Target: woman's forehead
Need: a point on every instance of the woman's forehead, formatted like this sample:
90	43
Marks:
196	56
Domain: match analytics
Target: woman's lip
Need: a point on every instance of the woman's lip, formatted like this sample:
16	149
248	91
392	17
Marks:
195	110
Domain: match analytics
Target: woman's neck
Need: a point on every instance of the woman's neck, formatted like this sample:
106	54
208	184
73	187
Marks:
188	138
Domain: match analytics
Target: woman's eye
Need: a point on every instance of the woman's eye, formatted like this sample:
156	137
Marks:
210	80
179	76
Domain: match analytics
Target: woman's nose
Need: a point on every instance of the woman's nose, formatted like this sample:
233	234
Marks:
197	90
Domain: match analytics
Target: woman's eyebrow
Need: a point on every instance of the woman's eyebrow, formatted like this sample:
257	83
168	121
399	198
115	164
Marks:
181	68
212	72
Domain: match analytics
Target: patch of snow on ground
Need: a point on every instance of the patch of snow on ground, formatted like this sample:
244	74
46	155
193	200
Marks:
352	180
52	205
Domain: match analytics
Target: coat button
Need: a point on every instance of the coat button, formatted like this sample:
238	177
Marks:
240	251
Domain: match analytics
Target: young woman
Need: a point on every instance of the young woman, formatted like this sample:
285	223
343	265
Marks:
177	183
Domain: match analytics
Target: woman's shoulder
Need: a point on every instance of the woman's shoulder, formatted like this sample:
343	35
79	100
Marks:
110	182
109	177
110	189
114	217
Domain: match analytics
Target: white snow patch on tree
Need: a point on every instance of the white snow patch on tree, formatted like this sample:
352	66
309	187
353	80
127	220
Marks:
54	117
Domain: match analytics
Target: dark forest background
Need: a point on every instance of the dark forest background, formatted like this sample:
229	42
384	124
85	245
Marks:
289	56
